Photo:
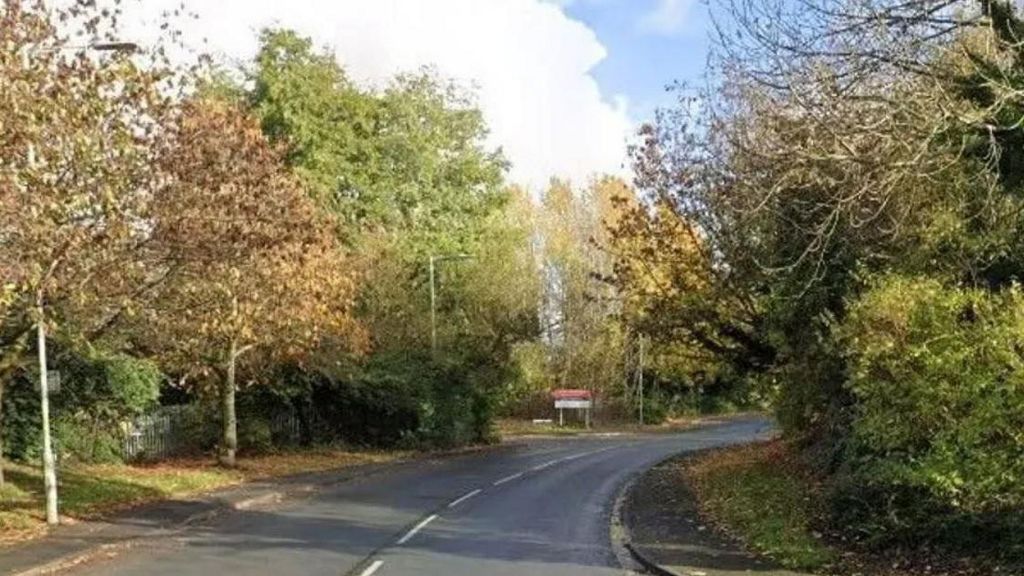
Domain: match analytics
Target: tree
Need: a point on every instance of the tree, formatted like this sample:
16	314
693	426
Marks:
663	272
78	138
254	265
408	163
853	178
580	310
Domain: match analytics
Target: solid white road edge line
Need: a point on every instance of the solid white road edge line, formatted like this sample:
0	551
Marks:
458	501
408	536
372	568
509	478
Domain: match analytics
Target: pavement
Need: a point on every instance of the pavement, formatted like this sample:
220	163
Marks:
538	507
667	535
74	543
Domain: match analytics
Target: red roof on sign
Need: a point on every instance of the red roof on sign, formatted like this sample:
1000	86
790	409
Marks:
571	394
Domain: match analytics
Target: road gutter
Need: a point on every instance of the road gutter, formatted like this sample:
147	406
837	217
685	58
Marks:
619	533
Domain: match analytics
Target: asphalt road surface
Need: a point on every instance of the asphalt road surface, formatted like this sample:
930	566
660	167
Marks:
542	507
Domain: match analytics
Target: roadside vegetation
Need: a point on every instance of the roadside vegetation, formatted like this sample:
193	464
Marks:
230	260
767	497
836	220
89	491
761	494
239	260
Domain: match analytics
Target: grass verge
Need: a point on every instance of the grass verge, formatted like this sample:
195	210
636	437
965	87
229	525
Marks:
758	494
90	491
509	428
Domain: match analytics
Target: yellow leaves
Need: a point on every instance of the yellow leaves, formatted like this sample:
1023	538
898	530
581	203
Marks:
77	172
659	254
261	266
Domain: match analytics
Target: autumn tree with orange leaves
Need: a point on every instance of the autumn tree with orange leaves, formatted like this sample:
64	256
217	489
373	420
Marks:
256	272
78	138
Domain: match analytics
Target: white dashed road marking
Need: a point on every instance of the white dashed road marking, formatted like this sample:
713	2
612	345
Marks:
509	478
456	502
546	464
376	565
372	568
408	536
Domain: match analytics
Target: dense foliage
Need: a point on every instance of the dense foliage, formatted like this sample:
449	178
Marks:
256	244
850	180
834	226
936	376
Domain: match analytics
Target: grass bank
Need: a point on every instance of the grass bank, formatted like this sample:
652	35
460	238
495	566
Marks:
758	494
89	491
764	496
511	428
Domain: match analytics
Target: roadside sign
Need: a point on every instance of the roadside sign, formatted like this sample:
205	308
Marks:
571	394
576	404
52	382
573	399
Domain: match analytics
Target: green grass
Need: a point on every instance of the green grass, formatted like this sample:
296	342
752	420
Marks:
512	427
89	491
99	488
756	493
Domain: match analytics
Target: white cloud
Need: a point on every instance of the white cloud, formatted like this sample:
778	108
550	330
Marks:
667	17
530	62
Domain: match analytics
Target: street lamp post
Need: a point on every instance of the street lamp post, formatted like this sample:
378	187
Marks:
49	465
434	260
640	377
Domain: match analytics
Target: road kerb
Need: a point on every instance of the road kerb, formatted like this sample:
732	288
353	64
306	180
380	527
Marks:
649	564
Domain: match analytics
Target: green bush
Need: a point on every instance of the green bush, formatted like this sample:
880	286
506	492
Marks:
408	398
938	377
99	391
657	406
255	435
22	420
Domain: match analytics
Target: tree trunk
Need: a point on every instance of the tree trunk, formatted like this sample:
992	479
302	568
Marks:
229	443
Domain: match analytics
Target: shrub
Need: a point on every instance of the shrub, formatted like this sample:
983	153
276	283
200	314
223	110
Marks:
255	435
938	377
99	391
22	420
656	406
407	398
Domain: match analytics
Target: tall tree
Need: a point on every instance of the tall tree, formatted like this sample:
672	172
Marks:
580	309
408	162
255	265
79	137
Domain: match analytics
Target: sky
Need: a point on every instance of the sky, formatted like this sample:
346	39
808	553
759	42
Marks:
563	84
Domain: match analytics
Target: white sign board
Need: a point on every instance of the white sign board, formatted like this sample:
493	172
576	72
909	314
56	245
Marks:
578	404
52	382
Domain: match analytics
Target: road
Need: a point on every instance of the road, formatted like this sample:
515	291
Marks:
540	507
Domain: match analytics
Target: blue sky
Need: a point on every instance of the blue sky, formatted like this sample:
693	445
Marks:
650	43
